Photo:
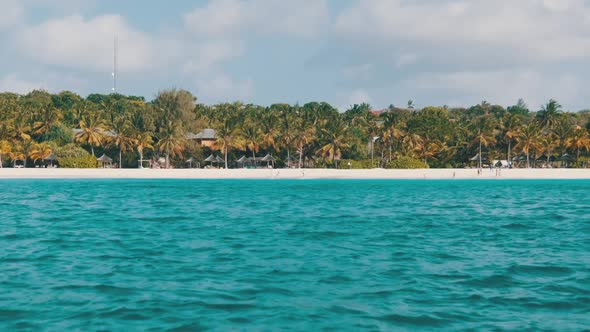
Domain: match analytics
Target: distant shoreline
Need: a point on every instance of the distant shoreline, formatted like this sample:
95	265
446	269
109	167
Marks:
439	174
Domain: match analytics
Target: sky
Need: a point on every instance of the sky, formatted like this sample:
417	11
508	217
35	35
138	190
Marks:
434	52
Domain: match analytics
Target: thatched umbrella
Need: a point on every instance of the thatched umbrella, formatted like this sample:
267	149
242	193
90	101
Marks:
269	159
242	161
51	158
104	159
190	162
212	159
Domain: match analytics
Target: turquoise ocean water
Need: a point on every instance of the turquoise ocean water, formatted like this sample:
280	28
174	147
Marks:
189	255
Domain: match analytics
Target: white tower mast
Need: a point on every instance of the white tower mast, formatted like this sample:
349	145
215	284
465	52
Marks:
115	54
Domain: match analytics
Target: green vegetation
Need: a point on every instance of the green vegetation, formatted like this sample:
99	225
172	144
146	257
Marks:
315	134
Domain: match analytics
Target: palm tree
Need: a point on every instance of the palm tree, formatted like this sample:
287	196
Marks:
549	113
563	128
19	129
39	151
228	129
547	143
484	135
511	127
171	142
335	138
578	141
287	131
47	116
528	141
303	138
252	138
5	149
428	149
92	131
17	153
270	130
121	138
412	143
142	140
392	133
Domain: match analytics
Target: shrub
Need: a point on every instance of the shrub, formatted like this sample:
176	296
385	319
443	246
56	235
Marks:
78	162
407	163
357	164
73	156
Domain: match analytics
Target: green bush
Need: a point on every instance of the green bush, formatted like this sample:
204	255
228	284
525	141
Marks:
357	164
73	156
407	163
78	162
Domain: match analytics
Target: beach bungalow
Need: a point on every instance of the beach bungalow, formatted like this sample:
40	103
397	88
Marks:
51	158
105	161
242	162
212	159
269	160
192	160
206	137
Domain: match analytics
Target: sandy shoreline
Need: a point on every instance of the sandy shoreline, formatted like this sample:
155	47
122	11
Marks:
71	173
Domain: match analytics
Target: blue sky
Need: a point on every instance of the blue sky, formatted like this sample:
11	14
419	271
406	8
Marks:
435	52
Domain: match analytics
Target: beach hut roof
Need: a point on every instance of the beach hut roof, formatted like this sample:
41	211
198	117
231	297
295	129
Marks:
242	160
207	134
219	159
51	157
190	160
211	158
566	156
190	136
105	159
476	158
268	157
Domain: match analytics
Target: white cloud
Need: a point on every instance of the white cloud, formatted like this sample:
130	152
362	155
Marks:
52	82
528	28
206	56
221	88
11	13
13	83
88	44
356	96
359	72
502	86
304	18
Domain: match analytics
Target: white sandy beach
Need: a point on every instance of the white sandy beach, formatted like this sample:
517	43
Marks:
71	173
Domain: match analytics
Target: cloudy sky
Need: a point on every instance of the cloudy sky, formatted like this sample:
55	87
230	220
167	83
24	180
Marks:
436	52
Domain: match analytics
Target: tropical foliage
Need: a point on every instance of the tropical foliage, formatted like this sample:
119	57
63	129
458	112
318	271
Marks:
315	134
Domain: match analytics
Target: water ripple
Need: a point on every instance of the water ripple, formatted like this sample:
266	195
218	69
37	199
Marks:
294	255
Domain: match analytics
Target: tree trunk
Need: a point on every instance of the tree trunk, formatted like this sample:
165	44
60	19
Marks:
480	153
167	160
225	150
1	161
528	163
389	152
509	148
120	161
254	158
140	159
92	149
300	157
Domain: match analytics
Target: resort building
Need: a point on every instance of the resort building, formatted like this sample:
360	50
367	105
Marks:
206	137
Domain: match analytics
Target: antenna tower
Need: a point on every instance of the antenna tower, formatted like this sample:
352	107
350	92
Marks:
115	64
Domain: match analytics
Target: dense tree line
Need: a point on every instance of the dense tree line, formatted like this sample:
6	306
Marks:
76	129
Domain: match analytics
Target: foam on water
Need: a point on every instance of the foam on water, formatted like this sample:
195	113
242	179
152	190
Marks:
294	255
